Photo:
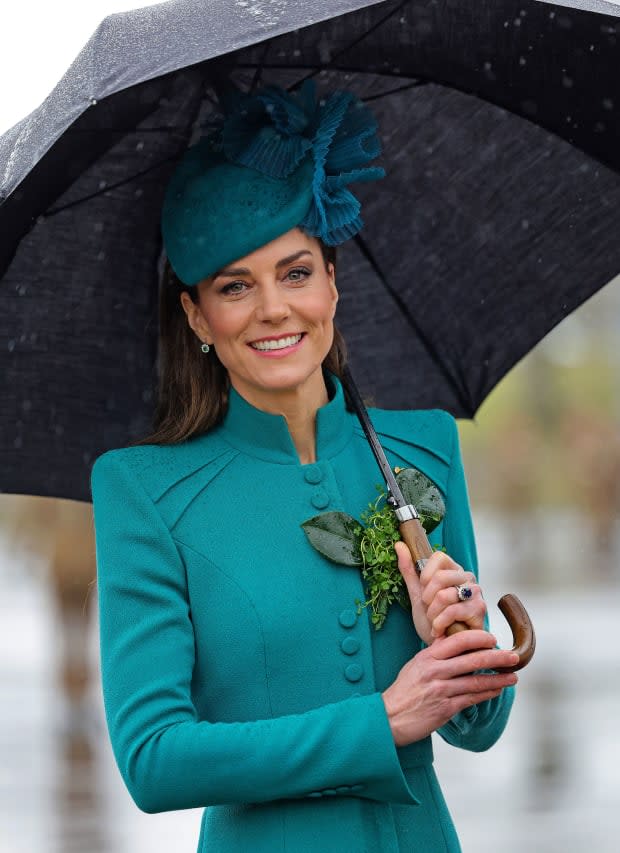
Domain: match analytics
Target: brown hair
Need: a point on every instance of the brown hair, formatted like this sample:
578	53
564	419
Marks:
193	387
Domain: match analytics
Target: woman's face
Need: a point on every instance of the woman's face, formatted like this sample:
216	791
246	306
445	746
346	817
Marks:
269	317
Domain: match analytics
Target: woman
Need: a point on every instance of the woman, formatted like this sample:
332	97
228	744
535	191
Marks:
238	672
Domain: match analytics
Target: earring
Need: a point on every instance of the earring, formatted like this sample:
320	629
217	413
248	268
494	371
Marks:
205	348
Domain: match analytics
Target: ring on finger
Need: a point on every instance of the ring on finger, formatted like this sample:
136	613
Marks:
463	592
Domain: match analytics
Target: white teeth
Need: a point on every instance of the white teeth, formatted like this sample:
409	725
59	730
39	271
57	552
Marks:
281	343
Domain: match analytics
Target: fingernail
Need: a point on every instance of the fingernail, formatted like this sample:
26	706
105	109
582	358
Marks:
514	658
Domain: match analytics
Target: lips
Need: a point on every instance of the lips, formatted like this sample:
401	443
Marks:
269	344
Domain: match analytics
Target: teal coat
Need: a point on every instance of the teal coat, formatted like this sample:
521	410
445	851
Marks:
237	674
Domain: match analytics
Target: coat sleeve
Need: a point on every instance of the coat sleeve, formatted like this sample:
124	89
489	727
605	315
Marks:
168	757
479	727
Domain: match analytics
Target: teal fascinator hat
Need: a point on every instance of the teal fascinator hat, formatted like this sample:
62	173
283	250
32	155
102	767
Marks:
276	161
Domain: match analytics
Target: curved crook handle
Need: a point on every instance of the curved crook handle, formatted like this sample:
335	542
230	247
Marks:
523	635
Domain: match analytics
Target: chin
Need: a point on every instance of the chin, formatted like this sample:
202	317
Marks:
280	378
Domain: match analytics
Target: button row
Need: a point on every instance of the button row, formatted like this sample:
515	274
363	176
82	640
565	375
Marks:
353	672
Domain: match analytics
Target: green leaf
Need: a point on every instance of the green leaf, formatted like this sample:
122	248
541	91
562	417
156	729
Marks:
334	534
420	491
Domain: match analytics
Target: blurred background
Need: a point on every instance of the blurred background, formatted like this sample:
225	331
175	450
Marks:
543	463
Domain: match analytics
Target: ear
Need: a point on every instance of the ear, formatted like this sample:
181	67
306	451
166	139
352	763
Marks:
331	272
195	318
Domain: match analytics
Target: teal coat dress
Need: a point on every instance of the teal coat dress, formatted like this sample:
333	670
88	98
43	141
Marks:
237	673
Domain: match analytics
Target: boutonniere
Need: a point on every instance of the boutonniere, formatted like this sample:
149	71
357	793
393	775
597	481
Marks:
369	544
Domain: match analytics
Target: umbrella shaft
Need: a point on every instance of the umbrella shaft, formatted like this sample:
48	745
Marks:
414	536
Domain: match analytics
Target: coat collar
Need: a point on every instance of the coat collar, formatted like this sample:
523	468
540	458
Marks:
266	436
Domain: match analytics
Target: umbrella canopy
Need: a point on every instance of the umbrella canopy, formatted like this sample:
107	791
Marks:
499	215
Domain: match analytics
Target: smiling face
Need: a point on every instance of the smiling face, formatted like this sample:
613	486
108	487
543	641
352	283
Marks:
269	317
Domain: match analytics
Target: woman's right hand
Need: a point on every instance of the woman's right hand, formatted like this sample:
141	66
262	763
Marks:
442	680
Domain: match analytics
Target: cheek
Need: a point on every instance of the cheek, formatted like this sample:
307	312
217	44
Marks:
322	309
223	325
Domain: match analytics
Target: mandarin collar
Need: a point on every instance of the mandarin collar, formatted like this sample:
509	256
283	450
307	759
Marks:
266	436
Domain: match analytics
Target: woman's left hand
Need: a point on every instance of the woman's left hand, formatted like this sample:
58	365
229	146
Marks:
434	597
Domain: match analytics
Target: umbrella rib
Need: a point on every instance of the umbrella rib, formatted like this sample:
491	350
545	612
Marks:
358	40
404	309
286	66
126	131
107	188
258	74
405	88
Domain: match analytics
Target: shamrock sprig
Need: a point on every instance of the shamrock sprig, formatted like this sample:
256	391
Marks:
369	544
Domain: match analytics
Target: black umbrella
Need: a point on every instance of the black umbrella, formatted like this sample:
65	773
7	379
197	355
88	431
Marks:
499	215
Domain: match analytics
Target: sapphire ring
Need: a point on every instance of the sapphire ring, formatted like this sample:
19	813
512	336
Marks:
463	592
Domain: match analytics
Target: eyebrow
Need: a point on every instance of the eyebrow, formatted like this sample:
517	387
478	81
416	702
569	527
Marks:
232	271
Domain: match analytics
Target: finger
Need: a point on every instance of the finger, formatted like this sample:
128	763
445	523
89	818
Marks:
445	579
471	612
475	699
438	562
407	570
474	662
458	644
449	597
476	683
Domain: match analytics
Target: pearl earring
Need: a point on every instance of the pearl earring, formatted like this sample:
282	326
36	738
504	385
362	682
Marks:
205	348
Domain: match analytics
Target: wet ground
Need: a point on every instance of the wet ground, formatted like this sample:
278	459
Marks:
551	784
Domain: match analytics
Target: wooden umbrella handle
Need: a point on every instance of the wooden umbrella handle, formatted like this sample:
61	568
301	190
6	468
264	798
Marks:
523	636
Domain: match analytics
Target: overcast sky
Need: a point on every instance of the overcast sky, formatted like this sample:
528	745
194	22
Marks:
40	40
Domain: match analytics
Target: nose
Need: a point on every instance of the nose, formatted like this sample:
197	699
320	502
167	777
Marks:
272	305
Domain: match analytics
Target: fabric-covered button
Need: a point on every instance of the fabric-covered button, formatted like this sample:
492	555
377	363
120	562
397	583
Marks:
343	789
329	792
348	618
319	499
353	672
313	474
350	645
315	794
357	788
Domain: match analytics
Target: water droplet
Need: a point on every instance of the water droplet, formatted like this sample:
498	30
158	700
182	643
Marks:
608	104
522	60
525	224
567	82
139	146
102	185
101	256
93	102
10	345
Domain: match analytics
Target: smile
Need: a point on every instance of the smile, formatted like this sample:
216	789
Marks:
279	343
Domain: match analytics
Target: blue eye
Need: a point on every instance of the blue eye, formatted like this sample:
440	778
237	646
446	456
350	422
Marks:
298	274
234	288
